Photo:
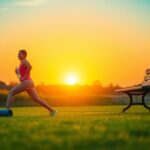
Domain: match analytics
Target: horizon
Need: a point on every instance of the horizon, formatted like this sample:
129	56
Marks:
94	83
70	42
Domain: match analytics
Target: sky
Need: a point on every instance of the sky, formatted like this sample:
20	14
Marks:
105	40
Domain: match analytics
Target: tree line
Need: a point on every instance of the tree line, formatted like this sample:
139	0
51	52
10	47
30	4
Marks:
62	89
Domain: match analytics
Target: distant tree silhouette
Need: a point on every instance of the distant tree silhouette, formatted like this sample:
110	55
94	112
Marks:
3	85
62	89
97	83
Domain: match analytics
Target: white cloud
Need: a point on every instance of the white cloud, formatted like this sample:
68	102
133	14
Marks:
3	9
29	2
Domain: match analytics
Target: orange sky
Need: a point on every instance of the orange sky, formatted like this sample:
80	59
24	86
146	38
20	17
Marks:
101	41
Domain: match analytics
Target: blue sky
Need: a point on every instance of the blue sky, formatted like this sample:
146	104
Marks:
120	3
128	9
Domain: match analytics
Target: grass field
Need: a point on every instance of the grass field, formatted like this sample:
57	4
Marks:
75	128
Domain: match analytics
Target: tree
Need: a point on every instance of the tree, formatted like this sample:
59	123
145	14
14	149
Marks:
3	85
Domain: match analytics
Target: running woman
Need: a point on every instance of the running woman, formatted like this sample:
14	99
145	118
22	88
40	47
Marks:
26	84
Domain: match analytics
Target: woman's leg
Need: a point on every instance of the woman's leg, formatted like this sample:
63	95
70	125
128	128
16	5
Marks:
34	95
15	90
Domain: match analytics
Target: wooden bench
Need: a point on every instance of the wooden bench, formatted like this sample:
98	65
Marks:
135	90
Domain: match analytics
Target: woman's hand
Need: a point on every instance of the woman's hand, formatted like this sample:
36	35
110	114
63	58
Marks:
22	79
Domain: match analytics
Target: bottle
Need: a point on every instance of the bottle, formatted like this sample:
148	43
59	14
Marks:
18	72
6	112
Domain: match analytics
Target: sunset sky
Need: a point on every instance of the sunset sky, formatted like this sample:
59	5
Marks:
105	40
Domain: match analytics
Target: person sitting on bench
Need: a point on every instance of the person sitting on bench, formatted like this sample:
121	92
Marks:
141	89
146	81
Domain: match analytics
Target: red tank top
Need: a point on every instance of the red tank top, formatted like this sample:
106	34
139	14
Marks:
23	69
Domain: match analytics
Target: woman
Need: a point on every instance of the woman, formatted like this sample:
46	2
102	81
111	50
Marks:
26	84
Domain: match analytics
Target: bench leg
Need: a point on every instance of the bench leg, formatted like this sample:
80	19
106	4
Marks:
143	102
130	103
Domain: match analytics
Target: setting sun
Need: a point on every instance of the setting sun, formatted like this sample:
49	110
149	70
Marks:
71	79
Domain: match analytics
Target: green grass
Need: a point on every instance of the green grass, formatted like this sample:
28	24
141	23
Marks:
76	128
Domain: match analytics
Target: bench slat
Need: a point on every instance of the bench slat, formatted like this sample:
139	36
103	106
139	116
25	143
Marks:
131	89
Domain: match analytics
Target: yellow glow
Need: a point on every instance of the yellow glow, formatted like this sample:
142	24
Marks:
97	46
71	79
